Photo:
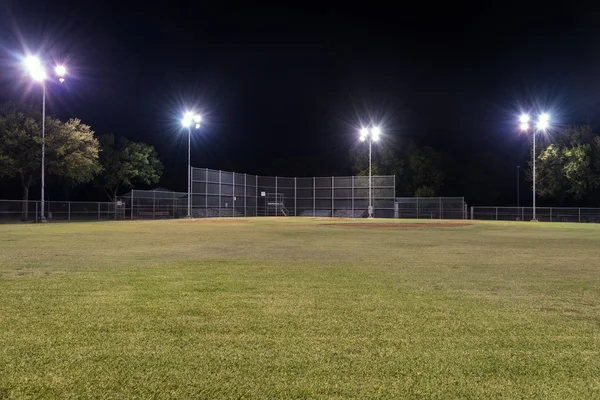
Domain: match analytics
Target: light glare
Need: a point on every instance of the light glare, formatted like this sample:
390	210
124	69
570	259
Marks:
38	74
197	118
545	118
524	126
60	70
542	125
524	118
364	132
35	68
32	63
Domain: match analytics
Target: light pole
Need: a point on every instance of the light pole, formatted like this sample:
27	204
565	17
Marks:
188	119
37	72
518	186
372	134
541	125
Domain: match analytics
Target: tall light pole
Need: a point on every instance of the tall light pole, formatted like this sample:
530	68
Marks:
370	134
189	119
542	124
36	70
518	186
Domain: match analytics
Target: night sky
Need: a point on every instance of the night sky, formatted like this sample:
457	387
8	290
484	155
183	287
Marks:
284	89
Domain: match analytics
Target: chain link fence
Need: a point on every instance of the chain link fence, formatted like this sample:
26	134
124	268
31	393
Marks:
431	207
152	204
20	210
222	193
546	214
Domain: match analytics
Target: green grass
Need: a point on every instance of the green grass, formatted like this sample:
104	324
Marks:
299	308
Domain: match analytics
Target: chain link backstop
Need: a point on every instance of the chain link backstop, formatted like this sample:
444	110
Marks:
222	193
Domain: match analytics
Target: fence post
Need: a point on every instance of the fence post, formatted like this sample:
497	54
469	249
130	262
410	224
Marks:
132	204
352	188
332	196
256	194
245	213
472	212
295	197
440	214
522	213
550	214
579	213
220	172
206	194
233	197
174	202
496	213
99	210
69	211
154	204
276	197
314	196
36	211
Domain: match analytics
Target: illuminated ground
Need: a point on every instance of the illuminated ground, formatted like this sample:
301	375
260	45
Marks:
299	308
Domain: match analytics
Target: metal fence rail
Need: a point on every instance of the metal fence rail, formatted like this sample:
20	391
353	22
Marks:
152	204
431	207
221	193
546	214
21	210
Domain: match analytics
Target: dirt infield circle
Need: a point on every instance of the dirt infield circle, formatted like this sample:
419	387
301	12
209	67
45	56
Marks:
404	225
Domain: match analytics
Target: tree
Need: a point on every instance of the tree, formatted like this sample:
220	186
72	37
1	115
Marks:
20	147
569	167
74	152
425	171
71	149
384	161
126	163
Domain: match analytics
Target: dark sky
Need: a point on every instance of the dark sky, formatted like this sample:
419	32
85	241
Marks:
283	89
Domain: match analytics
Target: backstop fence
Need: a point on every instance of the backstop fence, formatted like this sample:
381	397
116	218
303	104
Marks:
221	193
431	207
546	214
152	204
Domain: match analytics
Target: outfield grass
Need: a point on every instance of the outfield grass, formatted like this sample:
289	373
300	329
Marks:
299	308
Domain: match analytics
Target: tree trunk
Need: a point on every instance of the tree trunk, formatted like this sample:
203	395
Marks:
25	183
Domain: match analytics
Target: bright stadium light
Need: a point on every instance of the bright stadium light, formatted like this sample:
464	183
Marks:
375	132
35	68
372	134
542	125
188	118
60	70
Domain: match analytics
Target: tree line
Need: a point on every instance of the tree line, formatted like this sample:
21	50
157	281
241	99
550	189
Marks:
74	154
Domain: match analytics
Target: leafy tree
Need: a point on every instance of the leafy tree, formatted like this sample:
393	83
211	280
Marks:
20	147
71	149
126	163
425	171
569	167
74	152
384	161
